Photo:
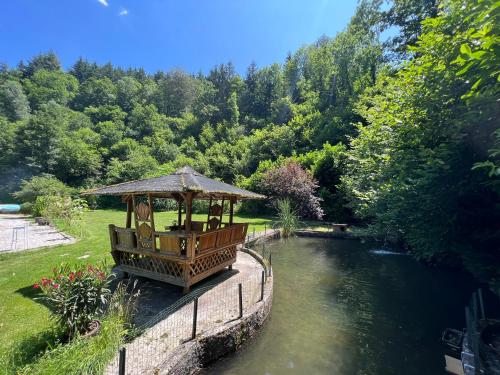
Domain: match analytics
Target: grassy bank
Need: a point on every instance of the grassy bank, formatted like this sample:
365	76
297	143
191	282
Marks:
21	317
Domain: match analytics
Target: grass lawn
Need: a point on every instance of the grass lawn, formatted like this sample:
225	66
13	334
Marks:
21	316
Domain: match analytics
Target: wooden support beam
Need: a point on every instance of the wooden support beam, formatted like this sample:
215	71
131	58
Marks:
208	213
152	222
188	199
221	213
232	201
136	221
130	207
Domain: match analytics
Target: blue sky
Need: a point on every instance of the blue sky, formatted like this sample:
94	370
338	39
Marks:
155	34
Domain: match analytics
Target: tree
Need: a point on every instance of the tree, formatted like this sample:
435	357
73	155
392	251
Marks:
292	182
412	166
83	70
177	91
45	85
95	92
137	164
46	61
38	138
144	120
407	16
79	159
328	165
128	93
13	102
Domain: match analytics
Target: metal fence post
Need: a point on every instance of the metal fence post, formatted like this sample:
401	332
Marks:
195	317
240	299
270	263
263	278
121	363
265	229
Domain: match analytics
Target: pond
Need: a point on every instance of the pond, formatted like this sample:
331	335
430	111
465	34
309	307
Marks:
342	308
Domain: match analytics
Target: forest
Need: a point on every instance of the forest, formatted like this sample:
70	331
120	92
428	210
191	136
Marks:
397	134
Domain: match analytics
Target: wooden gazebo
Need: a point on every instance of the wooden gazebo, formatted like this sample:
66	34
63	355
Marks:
183	253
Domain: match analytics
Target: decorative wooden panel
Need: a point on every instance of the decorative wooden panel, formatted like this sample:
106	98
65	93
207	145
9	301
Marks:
205	263
215	210
145	236
213	223
150	264
143	211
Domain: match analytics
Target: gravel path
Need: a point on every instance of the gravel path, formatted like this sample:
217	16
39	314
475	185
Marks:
17	233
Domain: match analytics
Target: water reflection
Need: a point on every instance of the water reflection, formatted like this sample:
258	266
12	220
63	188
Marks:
341	309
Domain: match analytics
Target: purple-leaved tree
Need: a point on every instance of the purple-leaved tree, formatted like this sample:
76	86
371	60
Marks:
293	182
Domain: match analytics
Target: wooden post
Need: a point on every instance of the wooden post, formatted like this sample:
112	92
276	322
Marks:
231	210
179	212
195	318
152	222
221	213
129	212
208	213
188	198
136	222
112	236
240	300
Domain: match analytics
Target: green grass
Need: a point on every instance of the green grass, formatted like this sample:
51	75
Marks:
82	355
21	317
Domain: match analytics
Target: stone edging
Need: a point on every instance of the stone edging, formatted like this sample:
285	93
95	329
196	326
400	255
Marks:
322	234
210	345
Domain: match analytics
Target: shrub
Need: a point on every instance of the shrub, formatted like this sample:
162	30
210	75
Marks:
292	182
42	185
76	295
63	211
288	219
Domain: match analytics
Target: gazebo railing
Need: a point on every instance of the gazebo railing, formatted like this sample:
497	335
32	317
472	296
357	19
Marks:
180	258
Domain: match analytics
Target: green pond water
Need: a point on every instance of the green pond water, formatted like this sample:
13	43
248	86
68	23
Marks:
341	308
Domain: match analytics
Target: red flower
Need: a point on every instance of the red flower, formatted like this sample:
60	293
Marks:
56	286
71	276
36	286
79	274
101	275
45	281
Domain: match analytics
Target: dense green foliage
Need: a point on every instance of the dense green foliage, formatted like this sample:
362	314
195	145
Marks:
400	135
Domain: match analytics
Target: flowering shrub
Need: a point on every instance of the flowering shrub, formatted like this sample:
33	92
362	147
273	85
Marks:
76	295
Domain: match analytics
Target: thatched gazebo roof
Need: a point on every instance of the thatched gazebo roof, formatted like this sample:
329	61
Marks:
185	179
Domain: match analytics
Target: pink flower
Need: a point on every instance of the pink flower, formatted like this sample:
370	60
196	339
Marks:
56	286
36	286
45	281
71	276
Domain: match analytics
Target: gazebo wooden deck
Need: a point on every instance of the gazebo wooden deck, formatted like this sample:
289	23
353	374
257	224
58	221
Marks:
184	253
